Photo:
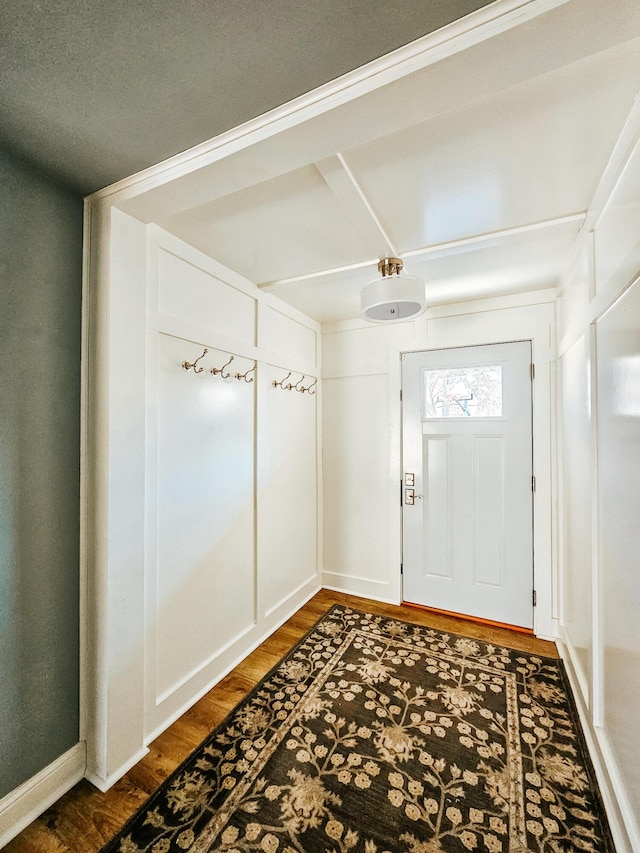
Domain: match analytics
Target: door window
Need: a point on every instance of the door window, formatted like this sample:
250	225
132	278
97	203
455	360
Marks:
462	392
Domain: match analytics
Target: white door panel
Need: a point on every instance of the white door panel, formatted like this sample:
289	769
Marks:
467	537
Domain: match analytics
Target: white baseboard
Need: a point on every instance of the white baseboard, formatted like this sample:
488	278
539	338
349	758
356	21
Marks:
27	802
362	587
104	783
621	819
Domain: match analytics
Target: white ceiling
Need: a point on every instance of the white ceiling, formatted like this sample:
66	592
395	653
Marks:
477	170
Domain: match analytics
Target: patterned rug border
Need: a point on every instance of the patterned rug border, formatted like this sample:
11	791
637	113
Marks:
109	846
586	756
246	698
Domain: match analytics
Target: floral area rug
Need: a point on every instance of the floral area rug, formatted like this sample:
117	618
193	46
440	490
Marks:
379	736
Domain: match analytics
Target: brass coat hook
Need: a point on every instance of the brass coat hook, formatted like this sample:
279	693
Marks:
298	383
244	375
313	385
281	384
220	370
187	365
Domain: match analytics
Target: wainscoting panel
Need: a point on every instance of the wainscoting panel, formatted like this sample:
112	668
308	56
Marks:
355	449
290	341
188	292
231	476
205	514
287	485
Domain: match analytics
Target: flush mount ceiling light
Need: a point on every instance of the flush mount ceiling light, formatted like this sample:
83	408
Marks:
392	297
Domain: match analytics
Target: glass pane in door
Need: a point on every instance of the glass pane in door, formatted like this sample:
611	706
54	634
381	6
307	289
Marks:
462	392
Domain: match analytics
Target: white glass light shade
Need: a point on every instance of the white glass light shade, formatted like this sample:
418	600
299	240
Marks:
392	298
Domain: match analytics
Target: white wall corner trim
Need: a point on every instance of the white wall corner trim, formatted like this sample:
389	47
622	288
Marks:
27	802
622	822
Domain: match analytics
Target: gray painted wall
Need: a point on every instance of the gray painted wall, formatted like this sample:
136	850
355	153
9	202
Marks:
93	92
40	289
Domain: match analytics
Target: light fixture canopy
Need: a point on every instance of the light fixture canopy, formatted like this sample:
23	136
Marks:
393	297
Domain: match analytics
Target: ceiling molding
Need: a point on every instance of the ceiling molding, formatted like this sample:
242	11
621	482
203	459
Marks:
487	238
355	204
478	26
437	249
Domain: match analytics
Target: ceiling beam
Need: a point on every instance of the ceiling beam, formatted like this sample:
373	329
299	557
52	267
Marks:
439	249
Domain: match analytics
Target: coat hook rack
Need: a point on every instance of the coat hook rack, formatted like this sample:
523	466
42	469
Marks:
220	370
280	384
244	375
187	365
292	386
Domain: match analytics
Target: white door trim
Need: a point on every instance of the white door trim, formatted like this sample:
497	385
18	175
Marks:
531	323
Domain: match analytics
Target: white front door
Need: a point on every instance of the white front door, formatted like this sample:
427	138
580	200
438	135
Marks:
467	481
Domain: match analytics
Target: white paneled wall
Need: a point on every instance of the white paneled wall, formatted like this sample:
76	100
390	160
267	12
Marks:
227	496
361	437
599	464
359	546
287	488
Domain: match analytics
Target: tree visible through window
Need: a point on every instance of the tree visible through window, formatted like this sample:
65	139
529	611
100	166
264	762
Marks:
463	392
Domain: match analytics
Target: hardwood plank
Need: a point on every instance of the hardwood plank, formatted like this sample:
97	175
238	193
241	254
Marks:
151	771
38	837
85	818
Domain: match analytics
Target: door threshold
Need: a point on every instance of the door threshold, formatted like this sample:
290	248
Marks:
467	618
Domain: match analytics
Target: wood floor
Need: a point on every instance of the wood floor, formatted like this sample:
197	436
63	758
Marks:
84	819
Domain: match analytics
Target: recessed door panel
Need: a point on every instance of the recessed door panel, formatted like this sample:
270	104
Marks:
489	497
437	476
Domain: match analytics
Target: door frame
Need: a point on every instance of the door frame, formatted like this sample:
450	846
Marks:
531	387
448	328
